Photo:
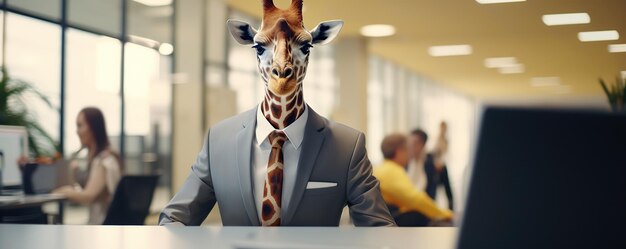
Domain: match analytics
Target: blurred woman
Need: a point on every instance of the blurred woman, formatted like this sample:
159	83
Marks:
96	185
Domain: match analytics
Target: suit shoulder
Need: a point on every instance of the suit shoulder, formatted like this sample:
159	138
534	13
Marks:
342	130
234	122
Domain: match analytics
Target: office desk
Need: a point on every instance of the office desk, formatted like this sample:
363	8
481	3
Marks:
26	201
154	237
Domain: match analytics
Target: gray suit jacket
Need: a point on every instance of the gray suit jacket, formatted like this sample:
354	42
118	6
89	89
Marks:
331	152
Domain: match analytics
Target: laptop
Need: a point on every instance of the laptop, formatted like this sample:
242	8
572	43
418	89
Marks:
48	177
547	179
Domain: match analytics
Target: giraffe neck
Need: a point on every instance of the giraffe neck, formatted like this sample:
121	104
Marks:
281	111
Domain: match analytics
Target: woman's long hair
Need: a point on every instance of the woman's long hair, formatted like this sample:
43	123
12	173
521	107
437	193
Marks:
95	121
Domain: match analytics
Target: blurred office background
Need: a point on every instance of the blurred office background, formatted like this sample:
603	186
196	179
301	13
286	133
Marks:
163	71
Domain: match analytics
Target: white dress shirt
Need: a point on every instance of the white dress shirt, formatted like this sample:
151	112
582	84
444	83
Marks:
417	173
261	149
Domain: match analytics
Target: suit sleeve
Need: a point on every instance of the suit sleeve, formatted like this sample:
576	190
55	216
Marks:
196	198
367	207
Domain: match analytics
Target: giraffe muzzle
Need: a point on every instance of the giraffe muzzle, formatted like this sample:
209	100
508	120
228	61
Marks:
282	85
285	73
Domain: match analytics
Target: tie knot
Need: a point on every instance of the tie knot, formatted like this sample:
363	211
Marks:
277	138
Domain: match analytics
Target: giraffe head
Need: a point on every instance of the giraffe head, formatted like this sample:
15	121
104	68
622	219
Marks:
282	44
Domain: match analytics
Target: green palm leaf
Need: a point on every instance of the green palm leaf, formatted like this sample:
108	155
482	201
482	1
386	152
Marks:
615	94
14	111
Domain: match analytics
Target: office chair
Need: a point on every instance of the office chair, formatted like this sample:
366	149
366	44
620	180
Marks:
132	199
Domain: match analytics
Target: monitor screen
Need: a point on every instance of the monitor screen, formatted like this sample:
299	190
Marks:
13	144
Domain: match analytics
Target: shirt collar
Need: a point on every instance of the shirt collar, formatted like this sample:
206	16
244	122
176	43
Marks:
294	132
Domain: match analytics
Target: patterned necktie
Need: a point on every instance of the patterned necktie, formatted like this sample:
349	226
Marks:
273	187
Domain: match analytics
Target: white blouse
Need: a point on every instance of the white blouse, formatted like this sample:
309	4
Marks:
98	209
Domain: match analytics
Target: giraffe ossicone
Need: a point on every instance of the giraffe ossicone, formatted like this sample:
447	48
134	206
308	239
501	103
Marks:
282	47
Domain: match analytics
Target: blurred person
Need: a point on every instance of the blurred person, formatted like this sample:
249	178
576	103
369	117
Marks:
428	170
95	185
409	205
441	146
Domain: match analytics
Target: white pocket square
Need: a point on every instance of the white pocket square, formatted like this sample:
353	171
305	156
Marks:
314	185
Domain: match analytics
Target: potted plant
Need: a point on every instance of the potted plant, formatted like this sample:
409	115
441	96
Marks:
615	93
13	111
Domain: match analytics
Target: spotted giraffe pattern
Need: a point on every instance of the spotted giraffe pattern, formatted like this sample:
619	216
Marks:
281	111
273	187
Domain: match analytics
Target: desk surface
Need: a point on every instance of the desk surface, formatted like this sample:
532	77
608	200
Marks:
153	237
21	201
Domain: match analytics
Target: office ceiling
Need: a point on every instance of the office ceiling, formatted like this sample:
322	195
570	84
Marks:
493	30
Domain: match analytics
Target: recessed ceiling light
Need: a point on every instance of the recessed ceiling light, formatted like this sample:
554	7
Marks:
512	69
566	19
545	81
450	50
617	48
498	1
496	62
606	35
143	41
378	30
166	49
154	3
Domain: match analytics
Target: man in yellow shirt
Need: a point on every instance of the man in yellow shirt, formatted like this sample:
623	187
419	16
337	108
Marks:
409	206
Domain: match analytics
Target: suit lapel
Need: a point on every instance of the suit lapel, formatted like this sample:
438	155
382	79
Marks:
312	142
244	147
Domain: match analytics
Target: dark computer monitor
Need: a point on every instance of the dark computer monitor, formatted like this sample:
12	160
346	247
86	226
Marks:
547	179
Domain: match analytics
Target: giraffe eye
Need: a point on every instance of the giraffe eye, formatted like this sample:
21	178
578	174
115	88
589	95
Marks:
305	48
259	49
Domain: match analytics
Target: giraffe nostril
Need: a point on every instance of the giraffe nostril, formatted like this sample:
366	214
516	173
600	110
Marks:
275	72
288	72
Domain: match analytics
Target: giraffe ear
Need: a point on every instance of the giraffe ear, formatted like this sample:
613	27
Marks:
241	31
326	31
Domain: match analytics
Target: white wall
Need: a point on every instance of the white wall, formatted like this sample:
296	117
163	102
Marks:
188	131
351	70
